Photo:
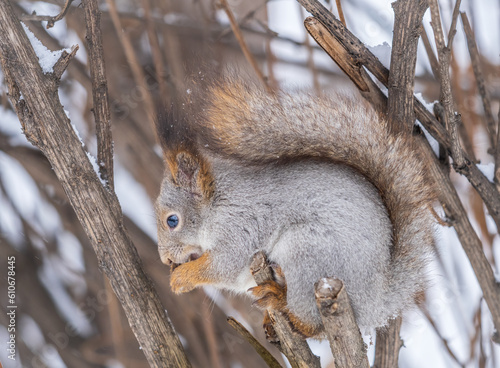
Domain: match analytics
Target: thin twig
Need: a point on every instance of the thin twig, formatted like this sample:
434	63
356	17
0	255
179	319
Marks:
341	12
244	47
438	333
270	58
310	59
50	19
453	25
259	348
155	48
446	97
171	49
63	61
430	53
344	60
99	91
292	346
135	66
481	85
210	336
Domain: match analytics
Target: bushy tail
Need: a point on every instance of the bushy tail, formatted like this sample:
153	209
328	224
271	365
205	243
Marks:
243	122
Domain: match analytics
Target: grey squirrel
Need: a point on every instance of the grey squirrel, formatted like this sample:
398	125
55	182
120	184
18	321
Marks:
321	185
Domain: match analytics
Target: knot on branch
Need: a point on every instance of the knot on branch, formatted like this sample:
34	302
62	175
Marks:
327	291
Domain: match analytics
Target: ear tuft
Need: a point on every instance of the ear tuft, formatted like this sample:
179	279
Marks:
191	172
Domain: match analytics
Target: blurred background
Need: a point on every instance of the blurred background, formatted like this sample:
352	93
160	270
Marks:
67	314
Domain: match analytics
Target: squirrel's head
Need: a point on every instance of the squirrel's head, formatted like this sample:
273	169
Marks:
186	193
187	190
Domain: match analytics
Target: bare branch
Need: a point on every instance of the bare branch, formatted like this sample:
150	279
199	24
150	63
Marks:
135	66
481	86
453	25
155	47
346	342
244	47
408	18
292	346
430	53
310	59
387	345
259	348
341	12
99	91
63	62
50	19
446	98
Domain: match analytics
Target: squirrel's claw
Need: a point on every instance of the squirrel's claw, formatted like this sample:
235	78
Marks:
269	295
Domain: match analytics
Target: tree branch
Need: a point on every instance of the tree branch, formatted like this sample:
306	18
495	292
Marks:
483	92
388	344
99	90
51	20
361	56
241	41
348	347
407	23
292	346
259	348
97	209
63	62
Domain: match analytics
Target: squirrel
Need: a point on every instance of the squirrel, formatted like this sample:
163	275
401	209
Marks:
321	185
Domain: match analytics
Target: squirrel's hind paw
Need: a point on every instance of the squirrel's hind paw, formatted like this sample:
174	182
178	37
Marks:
269	295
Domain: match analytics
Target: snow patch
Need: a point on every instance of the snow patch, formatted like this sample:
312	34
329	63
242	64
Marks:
488	170
382	52
46	58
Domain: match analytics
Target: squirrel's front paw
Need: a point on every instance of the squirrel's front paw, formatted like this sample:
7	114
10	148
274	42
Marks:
187	276
269	295
180	282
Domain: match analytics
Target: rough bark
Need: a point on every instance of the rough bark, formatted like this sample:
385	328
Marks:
348	347
292	346
408	19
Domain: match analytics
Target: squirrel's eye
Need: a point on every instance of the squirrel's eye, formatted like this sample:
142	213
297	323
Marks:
172	221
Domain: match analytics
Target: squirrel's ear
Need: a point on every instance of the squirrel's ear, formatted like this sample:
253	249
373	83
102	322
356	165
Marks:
191	172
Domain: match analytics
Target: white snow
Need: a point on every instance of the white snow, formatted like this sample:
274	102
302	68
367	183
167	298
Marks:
71	252
135	201
46	58
382	52
11	127
25	197
95	166
488	170
76	131
52	281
